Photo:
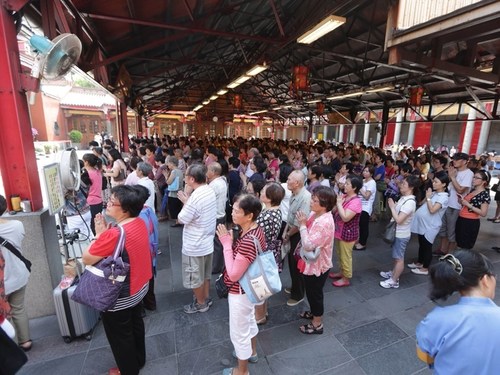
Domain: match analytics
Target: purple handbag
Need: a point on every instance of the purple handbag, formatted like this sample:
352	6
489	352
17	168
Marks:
100	285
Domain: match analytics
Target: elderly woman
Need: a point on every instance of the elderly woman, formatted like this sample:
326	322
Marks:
270	221
316	232
238	256
123	323
175	184
346	216
460	339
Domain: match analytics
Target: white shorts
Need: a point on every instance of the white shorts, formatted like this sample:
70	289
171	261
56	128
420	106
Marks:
242	324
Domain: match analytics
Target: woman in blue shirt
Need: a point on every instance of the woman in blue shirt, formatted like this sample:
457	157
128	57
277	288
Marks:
462	338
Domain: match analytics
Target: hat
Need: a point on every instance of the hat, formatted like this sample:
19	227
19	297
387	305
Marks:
460	156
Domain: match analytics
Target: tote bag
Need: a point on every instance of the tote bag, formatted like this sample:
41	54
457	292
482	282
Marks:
100	285
261	280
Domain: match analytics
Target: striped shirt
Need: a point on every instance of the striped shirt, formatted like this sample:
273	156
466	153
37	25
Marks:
246	247
199	218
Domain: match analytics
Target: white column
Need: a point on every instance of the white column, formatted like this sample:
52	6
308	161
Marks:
184	129
257	132
228	130
284	133
366	133
469	131
379	134
352	136
341	133
484	133
325	132
397	128
411	128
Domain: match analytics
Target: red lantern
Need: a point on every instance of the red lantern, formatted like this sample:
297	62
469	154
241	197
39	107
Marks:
300	79
237	101
320	108
416	94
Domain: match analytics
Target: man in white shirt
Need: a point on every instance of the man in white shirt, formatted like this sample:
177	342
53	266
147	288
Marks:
460	184
143	170
219	185
199	218
253	152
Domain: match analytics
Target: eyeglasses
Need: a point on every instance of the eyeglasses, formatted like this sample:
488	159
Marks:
111	203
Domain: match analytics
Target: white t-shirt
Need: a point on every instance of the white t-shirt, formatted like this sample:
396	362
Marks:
408	205
464	178
16	274
285	202
199	218
219	186
148	184
367	204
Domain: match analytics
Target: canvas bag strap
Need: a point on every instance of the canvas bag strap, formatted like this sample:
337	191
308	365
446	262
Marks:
120	243
17	253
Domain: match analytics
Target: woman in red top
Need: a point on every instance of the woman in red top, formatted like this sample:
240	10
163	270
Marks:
238	257
123	323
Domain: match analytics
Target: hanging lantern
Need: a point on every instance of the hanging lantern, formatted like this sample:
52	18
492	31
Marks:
300	79
237	101
416	94
320	109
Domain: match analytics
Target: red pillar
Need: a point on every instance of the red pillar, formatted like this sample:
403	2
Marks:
18	167
124	126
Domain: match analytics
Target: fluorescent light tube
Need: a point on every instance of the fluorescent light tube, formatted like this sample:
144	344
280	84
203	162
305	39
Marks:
213	97
197	108
221	92
205	102
256	70
257	112
324	27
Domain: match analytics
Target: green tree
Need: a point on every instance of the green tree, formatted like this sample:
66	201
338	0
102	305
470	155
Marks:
75	136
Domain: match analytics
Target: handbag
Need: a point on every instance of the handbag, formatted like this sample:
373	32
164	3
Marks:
390	232
12	357
121	175
381	186
221	288
494	188
17	253
100	285
261	280
174	186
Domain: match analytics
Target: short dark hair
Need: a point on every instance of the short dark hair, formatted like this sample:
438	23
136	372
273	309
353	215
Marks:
3	205
250	204
91	159
234	162
115	154
259	163
371	169
131	198
356	182
257	185
285	170
198	172
326	197
316	170
458	272
275	193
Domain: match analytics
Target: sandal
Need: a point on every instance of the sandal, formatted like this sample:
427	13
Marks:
335	275
26	346
496	221
262	321
114	371
310	329
306	315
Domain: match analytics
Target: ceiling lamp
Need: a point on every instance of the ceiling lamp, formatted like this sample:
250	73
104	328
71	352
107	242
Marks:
256	70
197	108
257	112
221	92
213	97
205	102
348	95
379	89
324	27
238	81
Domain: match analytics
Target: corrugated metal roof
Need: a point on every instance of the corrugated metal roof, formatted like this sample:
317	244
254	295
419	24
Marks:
87	98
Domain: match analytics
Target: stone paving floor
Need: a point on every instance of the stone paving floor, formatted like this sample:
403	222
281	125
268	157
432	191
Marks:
368	329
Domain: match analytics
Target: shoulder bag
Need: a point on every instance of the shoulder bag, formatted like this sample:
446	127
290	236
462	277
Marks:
390	230
100	285
261	280
17	253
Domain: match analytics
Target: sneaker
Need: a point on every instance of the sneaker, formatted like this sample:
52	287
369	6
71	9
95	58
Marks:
293	302
386	275
209	301
195	307
252	359
389	283
288	290
413	265
420	271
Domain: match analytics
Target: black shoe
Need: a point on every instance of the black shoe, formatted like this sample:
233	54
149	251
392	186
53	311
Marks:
176	225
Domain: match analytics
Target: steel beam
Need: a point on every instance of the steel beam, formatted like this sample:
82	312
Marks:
18	167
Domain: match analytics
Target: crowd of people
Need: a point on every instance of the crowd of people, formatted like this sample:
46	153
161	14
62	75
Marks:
301	200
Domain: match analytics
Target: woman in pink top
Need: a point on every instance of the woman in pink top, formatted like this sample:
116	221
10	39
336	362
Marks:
316	233
94	199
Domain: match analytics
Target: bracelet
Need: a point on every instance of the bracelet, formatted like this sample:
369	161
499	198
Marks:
428	199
